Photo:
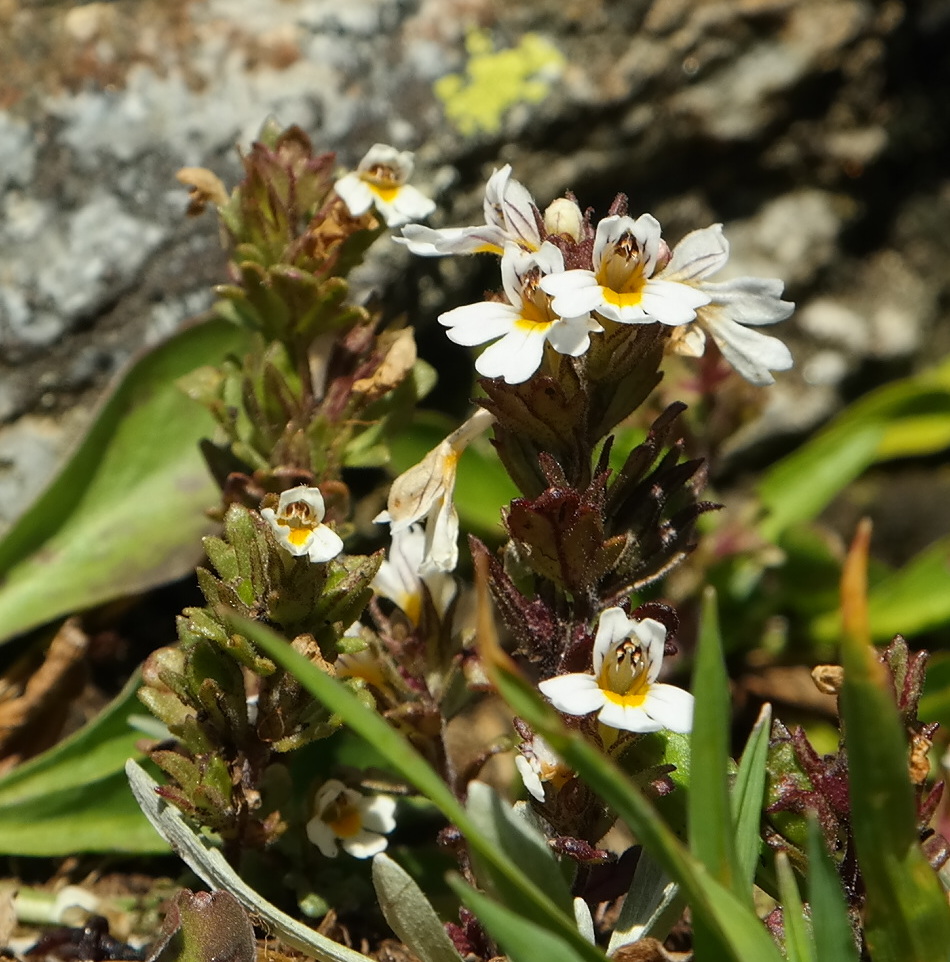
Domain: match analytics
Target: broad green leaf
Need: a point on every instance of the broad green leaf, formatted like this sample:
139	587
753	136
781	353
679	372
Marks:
401	755
482	486
98	816
747	795
906	914
709	810
512	833
73	798
829	915
127	510
522	939
209	863
798	944
409	913
732	920
906	602
907	418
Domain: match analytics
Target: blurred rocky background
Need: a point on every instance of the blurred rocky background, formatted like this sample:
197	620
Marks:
817	130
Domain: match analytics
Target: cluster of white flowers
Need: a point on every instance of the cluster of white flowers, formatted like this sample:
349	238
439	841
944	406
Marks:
633	278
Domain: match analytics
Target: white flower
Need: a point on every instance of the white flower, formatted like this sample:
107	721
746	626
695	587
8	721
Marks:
297	524
399	578
424	492
358	822
537	764
731	307
524	325
380	180
622	285
509	218
628	655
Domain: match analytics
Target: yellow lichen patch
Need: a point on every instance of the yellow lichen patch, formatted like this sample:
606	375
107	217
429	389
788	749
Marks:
494	81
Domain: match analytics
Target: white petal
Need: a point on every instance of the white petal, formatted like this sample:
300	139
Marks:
575	694
627	718
309	496
324	545
427	242
365	844
412	204
570	336
613	627
378	813
493	205
647	231
751	353
609	231
442	533
515	357
530	777
400	162
751	300
355	193
672	303
671	707
322	836
518	209
477	323
699	254
568	281
689	341
549	258
652	636
515	263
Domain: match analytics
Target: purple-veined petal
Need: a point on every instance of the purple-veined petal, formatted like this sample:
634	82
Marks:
575	694
612	628
699	254
652	637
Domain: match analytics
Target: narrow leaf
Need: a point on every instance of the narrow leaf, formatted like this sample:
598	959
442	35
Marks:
798	944
747	794
652	905
409	913
829	915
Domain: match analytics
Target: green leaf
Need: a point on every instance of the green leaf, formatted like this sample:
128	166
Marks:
127	510
209	863
409	913
747	795
73	798
906	915
829	915
709	812
732	920
798	944
652	905
401	755
522	939
512	833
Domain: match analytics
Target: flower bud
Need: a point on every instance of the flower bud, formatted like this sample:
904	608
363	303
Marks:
565	218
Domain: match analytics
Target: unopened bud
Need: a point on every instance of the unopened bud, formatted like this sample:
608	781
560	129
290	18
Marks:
828	679
564	217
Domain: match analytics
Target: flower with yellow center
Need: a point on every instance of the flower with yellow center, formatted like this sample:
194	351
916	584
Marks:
342	816
380	181
523	326
510	217
628	655
622	286
297	523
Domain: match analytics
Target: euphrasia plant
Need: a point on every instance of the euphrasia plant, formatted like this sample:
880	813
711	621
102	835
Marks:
587	315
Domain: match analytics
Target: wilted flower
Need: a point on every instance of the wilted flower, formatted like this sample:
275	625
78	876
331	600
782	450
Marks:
399	578
424	492
297	524
525	324
357	822
730	308
538	764
510	217
622	285
380	180
628	655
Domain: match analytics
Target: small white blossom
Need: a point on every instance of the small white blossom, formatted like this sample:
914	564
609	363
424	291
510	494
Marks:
380	180
357	822
297	524
628	655
425	493
538	764
523	326
731	308
622	285
510	217
399	578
